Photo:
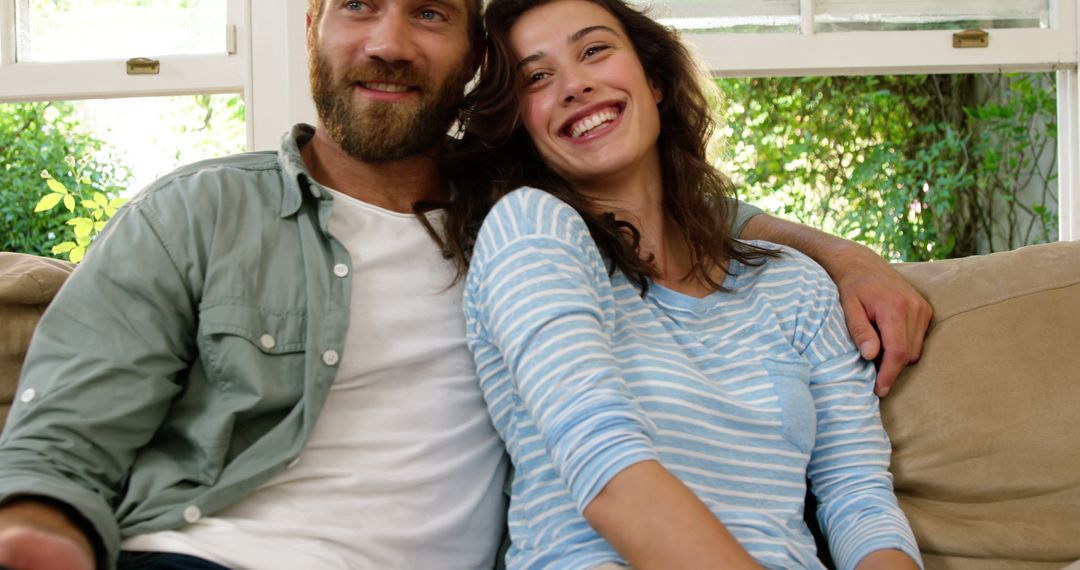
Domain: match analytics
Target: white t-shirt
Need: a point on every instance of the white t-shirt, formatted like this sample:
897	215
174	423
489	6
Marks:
403	468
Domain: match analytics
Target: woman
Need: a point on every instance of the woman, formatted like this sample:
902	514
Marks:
663	389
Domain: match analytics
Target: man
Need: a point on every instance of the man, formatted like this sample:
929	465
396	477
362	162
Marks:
259	364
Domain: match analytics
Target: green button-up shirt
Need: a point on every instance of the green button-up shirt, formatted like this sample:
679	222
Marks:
185	361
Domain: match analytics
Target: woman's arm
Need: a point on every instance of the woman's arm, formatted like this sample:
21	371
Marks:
655	521
849	464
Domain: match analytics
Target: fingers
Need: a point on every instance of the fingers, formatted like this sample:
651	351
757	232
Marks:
860	328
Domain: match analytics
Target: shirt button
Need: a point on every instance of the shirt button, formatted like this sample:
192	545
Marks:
315	192
341	270
267	341
27	395
330	357
192	514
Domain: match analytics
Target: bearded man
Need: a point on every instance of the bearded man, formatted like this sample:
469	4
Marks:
260	364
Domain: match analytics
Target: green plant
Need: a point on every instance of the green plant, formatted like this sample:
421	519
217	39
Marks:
910	165
34	136
88	208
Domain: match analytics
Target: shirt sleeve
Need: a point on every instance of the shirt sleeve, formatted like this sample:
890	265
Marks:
742	215
539	292
100	374
849	466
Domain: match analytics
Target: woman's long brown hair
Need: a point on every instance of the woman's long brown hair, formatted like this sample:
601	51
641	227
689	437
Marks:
496	155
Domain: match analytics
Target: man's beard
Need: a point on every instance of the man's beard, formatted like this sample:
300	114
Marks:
382	131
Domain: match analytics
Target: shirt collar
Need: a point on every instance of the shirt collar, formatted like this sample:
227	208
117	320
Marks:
297	179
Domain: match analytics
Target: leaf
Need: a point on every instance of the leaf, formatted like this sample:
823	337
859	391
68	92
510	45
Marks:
69	202
77	254
101	199
57	186
90	205
98	226
48	202
63	247
84	228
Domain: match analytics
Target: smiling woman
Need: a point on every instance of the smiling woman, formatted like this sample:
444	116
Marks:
663	390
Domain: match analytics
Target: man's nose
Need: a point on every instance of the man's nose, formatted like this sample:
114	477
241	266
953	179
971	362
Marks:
391	39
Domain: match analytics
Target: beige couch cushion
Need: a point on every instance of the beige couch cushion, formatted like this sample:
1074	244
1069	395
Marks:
27	284
986	427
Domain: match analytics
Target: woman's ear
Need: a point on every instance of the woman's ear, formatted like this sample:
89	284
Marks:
657	90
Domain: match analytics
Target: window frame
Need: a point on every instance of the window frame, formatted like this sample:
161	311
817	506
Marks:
269	67
225	72
924	51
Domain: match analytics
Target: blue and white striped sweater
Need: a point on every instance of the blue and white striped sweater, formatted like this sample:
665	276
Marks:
740	394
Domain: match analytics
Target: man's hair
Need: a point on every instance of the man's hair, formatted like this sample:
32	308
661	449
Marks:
476	19
498	155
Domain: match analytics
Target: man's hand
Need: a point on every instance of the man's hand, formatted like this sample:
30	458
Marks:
871	293
35	536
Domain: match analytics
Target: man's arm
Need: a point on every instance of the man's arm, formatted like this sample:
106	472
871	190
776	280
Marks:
871	294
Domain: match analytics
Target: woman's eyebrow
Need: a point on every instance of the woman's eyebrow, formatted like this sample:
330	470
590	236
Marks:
569	39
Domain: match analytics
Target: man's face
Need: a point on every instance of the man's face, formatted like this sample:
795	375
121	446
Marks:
387	76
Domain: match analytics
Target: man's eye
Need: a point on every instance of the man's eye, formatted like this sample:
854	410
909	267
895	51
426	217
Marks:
431	16
354	6
534	77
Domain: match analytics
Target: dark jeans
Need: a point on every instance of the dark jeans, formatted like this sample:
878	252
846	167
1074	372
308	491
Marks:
130	560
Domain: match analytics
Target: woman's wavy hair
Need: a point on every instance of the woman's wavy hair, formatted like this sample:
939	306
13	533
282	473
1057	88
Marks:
497	156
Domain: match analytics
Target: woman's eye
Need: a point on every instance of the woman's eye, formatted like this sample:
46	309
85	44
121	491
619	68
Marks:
354	6
593	50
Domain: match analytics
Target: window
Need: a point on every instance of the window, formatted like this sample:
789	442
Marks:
760	38
81	49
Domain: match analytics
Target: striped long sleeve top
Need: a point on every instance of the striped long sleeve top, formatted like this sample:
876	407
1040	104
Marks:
742	395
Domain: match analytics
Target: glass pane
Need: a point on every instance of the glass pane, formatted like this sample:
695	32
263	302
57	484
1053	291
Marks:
78	30
750	16
917	167
843	15
111	146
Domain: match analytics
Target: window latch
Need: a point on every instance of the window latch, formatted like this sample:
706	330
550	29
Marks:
143	66
971	39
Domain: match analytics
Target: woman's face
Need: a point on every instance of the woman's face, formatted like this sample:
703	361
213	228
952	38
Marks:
587	104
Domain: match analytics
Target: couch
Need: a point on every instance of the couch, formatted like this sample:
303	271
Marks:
985	428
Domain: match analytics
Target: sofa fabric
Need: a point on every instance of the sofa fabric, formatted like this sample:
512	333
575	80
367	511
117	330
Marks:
986	427
27	285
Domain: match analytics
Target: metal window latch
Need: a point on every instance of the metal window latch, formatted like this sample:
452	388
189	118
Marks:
971	39
143	66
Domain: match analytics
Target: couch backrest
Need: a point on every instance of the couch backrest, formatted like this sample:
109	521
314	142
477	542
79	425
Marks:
27	284
986	427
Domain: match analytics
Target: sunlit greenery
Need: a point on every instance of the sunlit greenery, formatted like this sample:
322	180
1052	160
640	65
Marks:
918	167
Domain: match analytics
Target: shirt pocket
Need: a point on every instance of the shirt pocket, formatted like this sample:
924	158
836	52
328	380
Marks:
255	352
791	383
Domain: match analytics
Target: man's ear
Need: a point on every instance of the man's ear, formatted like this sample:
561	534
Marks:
309	32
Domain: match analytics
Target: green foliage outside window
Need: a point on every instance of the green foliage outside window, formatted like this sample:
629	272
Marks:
36	137
917	167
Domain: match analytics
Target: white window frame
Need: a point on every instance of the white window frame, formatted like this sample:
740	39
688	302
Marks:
179	75
269	67
904	52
